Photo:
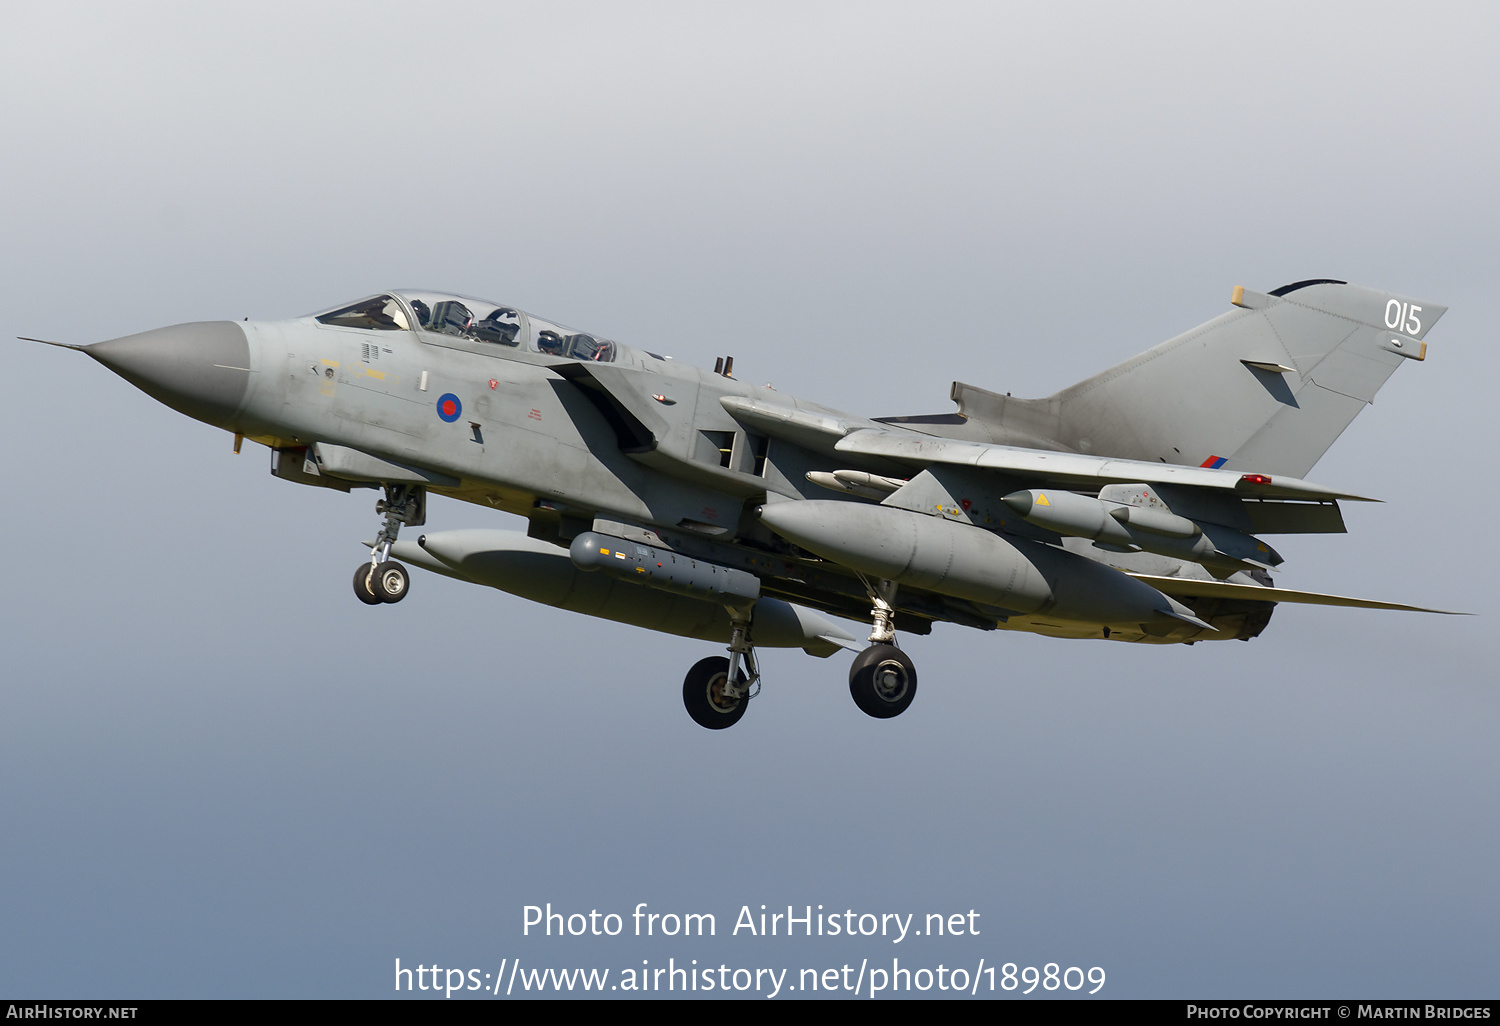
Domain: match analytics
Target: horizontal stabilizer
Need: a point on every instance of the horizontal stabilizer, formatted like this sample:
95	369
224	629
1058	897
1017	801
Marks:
1256	593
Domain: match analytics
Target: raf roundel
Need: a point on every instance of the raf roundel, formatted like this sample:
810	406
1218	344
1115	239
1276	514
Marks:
448	407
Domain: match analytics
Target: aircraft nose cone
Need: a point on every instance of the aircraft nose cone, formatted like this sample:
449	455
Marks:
200	369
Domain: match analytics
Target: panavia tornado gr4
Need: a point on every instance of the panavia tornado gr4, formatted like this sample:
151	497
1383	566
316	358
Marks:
1130	507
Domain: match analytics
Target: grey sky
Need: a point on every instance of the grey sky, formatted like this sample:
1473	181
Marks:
223	776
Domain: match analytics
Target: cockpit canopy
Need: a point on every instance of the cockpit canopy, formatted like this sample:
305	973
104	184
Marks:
475	320
556	340
466	317
382	313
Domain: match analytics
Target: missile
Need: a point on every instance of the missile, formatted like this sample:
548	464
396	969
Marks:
968	562
856	482
1125	528
542	572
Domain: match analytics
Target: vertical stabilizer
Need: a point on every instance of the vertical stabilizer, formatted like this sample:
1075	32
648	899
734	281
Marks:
1267	386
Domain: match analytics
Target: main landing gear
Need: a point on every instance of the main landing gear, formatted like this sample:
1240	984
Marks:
883	680
382	579
709	699
716	691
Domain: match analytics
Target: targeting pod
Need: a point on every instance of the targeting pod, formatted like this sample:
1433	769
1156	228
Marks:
663	569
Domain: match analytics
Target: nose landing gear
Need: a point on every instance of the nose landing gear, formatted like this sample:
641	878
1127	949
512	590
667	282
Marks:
382	579
382	582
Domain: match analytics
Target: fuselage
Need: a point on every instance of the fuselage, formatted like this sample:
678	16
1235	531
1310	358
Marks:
488	404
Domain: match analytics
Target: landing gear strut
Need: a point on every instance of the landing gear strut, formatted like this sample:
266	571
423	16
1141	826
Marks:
883	680
716	691
382	579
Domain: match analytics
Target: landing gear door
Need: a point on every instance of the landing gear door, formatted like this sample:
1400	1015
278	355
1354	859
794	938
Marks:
418	495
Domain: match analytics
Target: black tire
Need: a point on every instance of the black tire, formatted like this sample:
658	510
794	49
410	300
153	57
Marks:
361	586
391	581
882	681
703	681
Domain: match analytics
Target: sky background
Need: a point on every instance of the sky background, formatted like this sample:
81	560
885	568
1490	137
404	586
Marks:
221	775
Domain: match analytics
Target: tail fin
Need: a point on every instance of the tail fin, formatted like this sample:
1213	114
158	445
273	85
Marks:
1268	386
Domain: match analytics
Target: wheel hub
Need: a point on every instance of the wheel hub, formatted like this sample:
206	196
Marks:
718	698
890	681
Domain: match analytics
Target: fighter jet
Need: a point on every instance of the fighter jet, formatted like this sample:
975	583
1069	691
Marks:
1129	507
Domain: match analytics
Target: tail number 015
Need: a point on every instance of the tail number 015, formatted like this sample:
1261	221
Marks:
1401	316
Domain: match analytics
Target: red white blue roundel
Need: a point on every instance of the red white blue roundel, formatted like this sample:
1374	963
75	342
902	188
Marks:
448	407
